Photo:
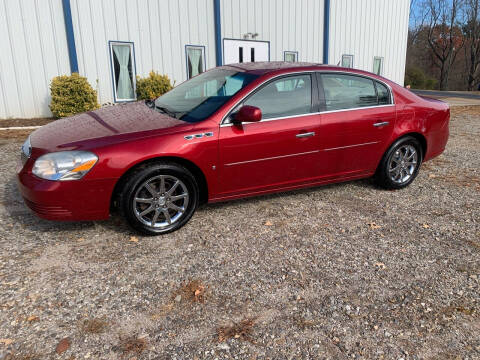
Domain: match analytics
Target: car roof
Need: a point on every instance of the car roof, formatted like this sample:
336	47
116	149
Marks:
266	67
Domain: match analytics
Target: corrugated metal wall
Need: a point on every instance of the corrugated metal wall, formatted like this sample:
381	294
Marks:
33	49
289	25
33	44
369	28
160	29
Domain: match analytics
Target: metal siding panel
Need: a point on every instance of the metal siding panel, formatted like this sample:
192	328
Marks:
99	44
18	59
165	38
86	43
370	28
33	45
144	56
155	37
30	47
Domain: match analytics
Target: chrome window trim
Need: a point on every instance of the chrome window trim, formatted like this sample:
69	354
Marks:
314	113
392	99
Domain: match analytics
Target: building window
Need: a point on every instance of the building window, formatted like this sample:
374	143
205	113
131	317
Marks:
378	65
195	60
290	56
122	56
347	61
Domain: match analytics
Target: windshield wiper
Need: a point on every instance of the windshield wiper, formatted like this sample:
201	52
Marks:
166	111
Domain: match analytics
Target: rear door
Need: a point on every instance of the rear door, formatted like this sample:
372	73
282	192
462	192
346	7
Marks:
278	151
357	121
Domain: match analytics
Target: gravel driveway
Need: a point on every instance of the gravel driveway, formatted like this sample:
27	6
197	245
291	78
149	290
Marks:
341	271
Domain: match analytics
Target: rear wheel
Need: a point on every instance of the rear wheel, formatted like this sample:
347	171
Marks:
400	164
160	198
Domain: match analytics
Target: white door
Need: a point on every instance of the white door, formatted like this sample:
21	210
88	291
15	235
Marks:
238	51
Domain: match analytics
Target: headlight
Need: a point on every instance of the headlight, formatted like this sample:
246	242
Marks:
64	165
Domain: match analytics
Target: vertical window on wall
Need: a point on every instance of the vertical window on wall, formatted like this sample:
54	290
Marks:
378	65
290	56
122	56
195	60
347	61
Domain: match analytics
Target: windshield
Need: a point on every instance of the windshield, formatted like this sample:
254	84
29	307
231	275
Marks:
198	98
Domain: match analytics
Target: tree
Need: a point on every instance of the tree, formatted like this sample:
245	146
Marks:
418	15
445	37
471	31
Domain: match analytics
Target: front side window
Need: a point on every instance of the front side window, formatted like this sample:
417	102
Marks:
195	60
348	91
290	56
123	70
287	96
347	61
198	98
377	65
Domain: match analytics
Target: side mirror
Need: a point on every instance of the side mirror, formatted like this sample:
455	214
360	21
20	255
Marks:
248	113
150	103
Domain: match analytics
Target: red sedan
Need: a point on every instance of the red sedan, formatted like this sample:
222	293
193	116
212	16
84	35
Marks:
231	132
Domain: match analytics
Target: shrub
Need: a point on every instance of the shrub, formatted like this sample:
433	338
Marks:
72	95
416	78
152	86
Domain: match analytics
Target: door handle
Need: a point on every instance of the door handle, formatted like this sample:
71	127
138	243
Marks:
379	124
307	134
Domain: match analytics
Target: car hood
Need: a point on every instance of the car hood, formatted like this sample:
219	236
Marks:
105	126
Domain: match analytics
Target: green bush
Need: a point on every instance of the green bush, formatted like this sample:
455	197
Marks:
416	78
72	95
152	86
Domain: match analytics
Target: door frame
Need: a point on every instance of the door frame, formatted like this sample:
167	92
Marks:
260	41
316	101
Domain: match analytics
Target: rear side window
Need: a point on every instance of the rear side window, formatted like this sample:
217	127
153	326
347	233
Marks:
287	96
348	91
383	94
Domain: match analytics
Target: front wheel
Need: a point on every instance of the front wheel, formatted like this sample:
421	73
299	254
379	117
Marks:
400	164
159	198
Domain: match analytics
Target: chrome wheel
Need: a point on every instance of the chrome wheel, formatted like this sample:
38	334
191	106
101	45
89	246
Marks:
402	164
160	201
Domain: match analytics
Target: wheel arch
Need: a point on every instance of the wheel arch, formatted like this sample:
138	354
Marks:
192	167
419	136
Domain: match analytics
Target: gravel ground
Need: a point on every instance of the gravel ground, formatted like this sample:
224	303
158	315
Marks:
341	271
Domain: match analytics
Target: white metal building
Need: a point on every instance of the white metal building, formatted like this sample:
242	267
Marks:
112	41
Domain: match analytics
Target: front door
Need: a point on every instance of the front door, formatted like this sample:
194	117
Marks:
239	51
279	151
356	126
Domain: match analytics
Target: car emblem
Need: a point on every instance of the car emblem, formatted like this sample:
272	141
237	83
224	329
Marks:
198	136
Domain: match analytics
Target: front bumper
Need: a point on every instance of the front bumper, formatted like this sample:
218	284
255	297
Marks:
77	200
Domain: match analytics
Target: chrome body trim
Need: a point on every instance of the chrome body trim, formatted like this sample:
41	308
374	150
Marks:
272	158
392	99
379	124
350	146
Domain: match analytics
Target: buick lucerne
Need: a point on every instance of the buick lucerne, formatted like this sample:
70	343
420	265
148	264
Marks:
231	132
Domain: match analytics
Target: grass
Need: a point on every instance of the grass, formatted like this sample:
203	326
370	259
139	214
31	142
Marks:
133	344
94	326
241	330
193	291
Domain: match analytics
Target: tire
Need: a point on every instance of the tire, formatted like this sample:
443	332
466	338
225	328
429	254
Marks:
400	164
153	210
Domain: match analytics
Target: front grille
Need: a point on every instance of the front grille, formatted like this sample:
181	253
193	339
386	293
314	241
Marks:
48	210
